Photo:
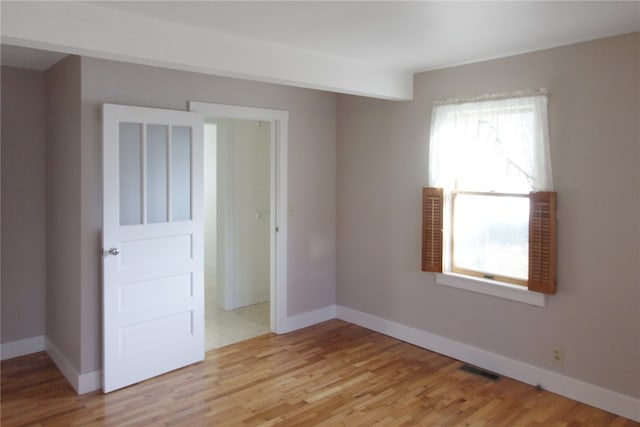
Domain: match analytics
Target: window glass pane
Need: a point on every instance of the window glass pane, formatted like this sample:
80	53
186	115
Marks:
156	173
130	176
180	173
491	234
494	152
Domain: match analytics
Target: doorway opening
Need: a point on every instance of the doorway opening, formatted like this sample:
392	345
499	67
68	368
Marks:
237	166
245	222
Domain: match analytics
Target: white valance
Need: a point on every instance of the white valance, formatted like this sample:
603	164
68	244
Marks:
496	144
493	97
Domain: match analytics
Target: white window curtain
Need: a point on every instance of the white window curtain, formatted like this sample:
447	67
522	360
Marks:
499	145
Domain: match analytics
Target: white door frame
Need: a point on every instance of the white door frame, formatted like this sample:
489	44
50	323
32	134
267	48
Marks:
225	241
278	218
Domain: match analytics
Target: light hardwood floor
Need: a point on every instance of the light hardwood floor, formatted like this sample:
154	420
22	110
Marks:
332	374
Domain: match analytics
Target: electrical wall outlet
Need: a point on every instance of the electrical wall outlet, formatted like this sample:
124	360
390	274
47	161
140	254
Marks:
557	355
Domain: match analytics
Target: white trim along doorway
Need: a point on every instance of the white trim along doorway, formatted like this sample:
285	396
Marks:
278	203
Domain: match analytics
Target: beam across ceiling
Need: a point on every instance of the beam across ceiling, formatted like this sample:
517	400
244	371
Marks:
88	29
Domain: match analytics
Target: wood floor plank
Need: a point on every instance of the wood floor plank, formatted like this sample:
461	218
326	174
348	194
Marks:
331	374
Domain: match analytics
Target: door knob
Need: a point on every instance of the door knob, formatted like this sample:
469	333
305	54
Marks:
114	251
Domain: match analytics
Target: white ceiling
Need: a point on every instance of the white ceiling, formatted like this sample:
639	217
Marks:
414	36
363	47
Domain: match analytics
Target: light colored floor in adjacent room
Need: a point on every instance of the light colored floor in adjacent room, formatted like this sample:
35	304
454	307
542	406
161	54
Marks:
224	327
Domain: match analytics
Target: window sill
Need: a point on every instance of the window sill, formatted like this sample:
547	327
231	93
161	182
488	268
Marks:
491	287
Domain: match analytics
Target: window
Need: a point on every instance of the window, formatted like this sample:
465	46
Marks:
490	211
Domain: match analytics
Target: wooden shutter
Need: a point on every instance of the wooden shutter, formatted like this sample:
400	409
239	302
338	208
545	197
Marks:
432	203
542	242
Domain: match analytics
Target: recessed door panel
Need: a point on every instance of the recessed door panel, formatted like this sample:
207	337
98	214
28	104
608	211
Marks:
156	334
156	250
149	293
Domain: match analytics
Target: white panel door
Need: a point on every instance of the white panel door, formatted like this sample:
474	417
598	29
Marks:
153	290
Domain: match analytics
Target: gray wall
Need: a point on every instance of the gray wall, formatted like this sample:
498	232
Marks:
63	185
311	168
593	115
23	204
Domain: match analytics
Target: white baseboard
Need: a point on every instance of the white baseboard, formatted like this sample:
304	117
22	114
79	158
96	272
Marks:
81	383
12	349
91	381
590	394
310	318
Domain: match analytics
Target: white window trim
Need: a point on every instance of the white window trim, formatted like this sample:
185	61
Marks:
491	287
